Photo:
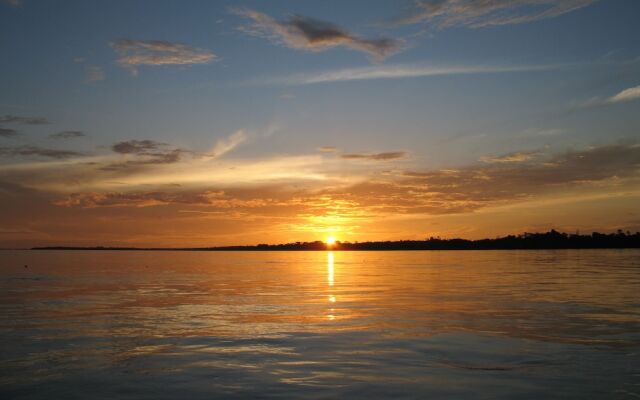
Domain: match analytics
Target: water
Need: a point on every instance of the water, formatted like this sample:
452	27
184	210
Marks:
477	325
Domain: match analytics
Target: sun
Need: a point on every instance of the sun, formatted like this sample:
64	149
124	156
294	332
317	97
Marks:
331	240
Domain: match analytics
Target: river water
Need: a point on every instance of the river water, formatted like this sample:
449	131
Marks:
439	324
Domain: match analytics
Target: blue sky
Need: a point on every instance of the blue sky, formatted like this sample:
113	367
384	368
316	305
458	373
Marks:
443	84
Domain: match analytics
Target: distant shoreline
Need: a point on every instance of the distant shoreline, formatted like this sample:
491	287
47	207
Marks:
551	240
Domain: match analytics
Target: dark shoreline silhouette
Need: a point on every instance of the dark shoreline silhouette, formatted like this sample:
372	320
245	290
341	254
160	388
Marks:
527	241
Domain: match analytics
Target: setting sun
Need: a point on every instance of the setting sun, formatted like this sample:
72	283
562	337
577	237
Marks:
331	240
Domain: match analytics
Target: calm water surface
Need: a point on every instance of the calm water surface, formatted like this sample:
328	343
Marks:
478	325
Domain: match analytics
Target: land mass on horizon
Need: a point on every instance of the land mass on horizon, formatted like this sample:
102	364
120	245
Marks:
526	241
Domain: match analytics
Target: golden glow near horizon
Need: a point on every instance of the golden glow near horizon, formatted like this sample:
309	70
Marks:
331	240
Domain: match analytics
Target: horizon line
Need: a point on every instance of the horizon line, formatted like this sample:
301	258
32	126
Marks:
456	243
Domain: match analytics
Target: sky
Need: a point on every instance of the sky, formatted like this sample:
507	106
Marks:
201	123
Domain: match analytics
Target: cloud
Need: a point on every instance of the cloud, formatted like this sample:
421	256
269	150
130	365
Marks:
131	171
67	135
483	185
398	71
388	156
226	145
516	157
625	95
14	119
27	150
442	14
328	149
148	152
306	33
210	198
6	132
133	53
14	3
137	146
427	192
131	166
144	153
93	74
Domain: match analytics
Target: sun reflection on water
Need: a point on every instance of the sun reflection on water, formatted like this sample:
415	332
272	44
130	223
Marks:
330	268
330	281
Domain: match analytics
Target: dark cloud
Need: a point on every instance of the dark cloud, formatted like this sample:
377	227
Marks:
480	13
6	132
148	152
133	53
392	155
15	119
131	166
67	135
137	146
27	151
305	33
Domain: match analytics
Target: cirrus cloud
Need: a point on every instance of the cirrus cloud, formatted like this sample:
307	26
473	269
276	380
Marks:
398	71
476	14
226	145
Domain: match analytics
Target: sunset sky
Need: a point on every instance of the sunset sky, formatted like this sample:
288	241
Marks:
195	123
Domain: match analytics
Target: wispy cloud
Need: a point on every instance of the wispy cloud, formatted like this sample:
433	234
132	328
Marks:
14	3
16	119
441	14
306	33
134	53
387	156
398	71
67	135
226	145
625	95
